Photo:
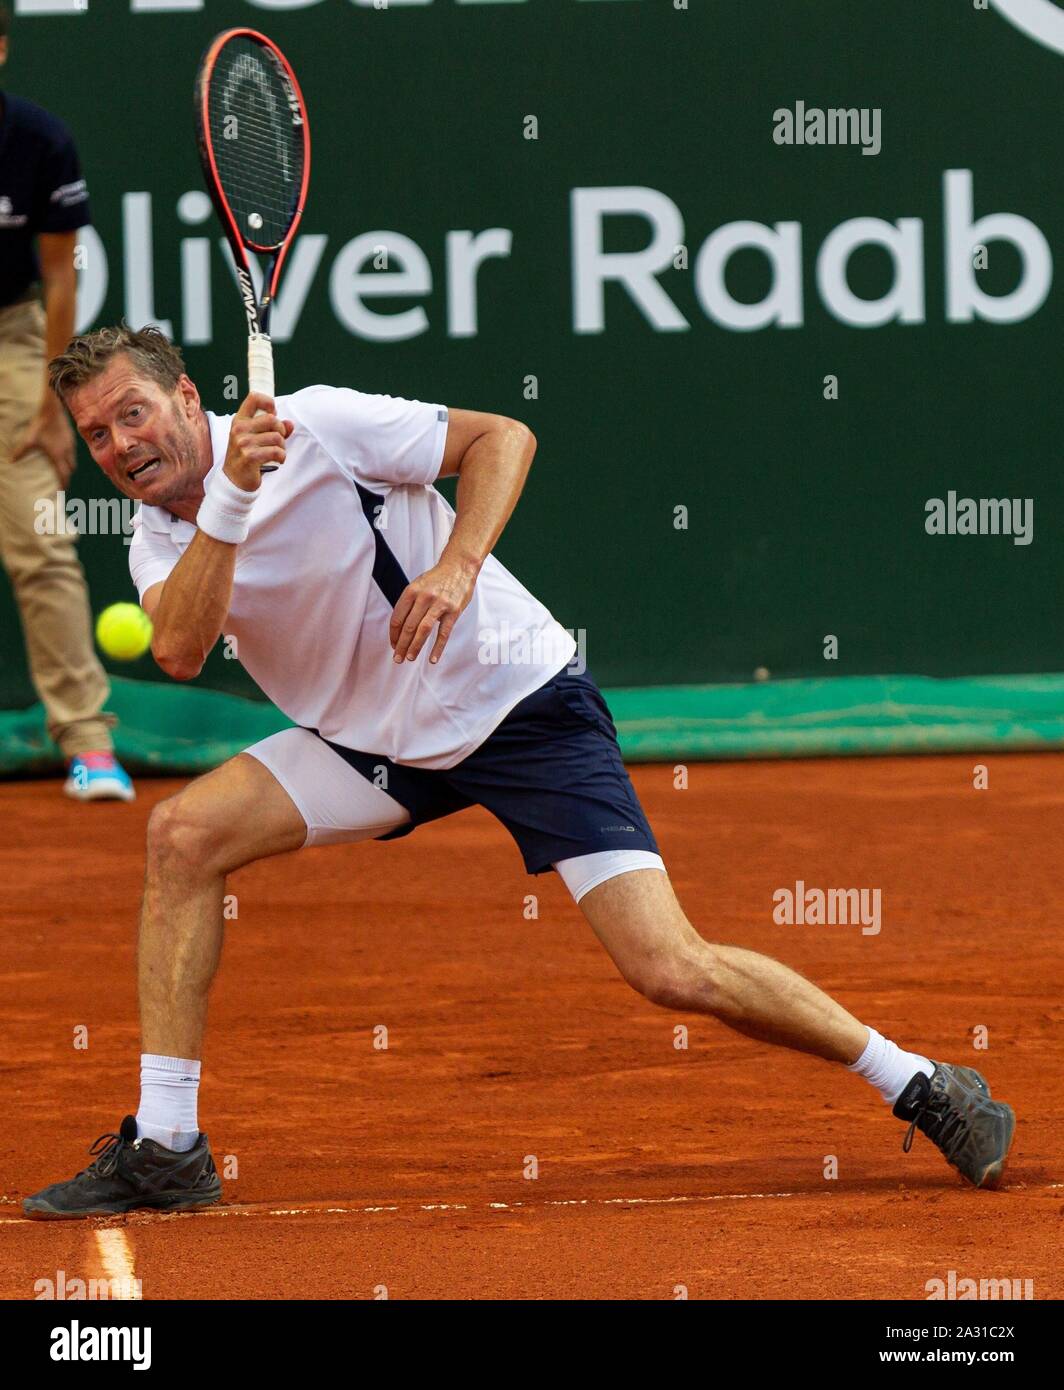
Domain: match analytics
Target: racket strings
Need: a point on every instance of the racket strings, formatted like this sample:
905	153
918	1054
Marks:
258	146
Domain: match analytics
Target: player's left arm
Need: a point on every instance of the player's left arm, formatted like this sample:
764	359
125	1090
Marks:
491	454
50	430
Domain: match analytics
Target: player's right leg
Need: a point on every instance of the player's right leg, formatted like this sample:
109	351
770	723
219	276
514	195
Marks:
232	816
288	791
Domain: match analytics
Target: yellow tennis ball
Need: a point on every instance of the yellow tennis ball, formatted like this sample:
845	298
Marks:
123	631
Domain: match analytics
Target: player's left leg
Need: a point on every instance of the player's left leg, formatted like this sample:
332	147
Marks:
638	919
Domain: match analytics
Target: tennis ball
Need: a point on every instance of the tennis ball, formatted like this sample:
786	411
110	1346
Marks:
123	631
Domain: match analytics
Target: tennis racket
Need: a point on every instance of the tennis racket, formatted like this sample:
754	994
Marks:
254	145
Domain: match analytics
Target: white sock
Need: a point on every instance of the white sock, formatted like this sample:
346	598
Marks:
169	1088
887	1067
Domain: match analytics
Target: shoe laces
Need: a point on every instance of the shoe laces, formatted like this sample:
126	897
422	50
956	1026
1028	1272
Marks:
943	1123
106	1158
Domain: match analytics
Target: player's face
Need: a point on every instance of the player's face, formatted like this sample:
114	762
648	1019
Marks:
144	437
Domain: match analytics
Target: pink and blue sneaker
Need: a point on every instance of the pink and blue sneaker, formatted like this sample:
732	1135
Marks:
98	777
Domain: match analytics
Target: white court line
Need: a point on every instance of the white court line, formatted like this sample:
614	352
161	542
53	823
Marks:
330	1210
116	1256
295	1211
491	1206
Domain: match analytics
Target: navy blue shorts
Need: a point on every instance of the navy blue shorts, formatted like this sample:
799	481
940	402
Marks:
551	772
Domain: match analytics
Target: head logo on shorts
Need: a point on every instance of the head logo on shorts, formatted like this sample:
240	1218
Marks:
1038	19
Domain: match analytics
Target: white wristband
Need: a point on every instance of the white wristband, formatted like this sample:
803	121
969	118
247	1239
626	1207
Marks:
225	512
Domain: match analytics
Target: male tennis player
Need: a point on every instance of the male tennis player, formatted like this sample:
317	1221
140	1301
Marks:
370	613
43	202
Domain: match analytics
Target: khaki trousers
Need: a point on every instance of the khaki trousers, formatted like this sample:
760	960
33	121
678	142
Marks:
45	573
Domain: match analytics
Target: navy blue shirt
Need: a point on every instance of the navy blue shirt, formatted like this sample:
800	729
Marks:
41	190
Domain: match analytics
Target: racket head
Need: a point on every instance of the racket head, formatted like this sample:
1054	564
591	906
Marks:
254	143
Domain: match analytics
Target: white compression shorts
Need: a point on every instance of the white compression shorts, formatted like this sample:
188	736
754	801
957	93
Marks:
339	806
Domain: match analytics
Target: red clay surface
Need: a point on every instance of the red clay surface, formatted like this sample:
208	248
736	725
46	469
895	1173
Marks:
508	1037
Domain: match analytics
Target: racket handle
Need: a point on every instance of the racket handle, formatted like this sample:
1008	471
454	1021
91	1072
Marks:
260	375
260	364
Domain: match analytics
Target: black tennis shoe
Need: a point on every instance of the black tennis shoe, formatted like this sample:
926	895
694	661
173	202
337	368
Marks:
126	1173
953	1108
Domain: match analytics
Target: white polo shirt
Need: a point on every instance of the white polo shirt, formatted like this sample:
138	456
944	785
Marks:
336	534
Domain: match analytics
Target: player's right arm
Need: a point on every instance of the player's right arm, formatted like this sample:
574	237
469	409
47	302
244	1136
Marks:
189	608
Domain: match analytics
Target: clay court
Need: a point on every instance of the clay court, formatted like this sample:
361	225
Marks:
660	1170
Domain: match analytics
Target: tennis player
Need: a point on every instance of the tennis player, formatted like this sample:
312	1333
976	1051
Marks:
374	615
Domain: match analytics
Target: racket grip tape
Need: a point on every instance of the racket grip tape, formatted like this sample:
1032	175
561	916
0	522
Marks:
260	375
260	364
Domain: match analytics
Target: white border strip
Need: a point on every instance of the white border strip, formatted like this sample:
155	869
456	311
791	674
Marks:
328	1208
116	1256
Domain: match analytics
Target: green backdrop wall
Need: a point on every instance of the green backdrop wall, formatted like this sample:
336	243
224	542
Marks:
805	516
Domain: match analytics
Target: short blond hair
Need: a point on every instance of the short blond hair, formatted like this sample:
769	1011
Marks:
89	354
